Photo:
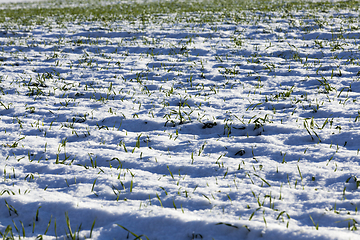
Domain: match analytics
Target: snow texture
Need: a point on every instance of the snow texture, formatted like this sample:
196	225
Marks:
181	130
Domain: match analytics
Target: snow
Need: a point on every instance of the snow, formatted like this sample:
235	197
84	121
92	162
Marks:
182	130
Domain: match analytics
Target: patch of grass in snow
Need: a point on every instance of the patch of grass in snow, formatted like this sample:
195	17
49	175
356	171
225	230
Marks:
137	95
89	10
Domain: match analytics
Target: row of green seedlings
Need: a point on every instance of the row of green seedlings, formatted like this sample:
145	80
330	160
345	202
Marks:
183	115
309	133
80	41
86	59
295	185
139	145
352	223
258	123
31	176
270	67
94	164
308	127
8	233
261	203
227	128
11	209
133	13
263	181
70	233
179	112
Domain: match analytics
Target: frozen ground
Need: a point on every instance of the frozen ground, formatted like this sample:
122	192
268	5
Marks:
177	128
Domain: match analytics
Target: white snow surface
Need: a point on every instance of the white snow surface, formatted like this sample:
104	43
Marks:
182	130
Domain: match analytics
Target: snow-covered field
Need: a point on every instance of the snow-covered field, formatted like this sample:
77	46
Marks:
242	125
